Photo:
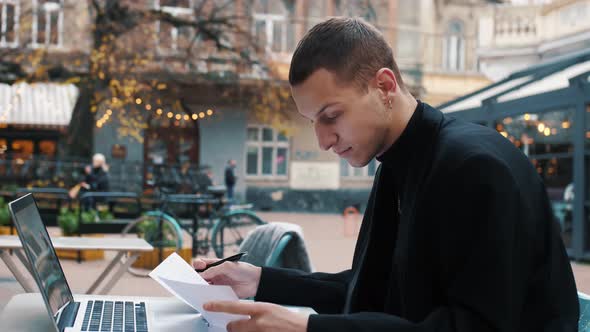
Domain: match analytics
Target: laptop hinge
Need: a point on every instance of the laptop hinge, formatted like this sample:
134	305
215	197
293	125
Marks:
68	316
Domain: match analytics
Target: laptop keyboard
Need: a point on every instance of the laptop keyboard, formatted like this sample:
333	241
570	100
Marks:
115	316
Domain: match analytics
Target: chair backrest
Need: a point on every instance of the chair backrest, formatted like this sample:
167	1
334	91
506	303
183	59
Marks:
277	244
584	322
275	256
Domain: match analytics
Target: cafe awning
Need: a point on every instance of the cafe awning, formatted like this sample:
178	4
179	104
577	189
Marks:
37	104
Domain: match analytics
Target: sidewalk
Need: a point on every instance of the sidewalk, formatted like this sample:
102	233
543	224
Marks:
330	252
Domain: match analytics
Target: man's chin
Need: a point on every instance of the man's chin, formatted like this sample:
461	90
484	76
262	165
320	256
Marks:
355	163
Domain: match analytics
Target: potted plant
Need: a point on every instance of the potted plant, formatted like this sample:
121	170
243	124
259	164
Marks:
148	230
4	218
69	223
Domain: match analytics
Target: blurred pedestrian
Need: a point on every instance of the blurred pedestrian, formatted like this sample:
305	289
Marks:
97	180
230	178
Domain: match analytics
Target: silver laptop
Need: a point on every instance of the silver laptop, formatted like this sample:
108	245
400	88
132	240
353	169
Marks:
89	315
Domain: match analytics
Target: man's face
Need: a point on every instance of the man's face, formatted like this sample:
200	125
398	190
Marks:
96	162
351	122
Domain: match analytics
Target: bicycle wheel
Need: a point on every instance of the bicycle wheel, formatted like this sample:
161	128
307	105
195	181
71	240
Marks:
162	232
229	231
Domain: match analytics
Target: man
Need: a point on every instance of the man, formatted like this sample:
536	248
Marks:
230	178
458	234
98	179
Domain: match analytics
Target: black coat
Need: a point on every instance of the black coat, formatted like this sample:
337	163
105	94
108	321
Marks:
473	245
230	177
98	180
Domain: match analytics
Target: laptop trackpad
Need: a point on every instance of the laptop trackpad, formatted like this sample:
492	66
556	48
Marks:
172	315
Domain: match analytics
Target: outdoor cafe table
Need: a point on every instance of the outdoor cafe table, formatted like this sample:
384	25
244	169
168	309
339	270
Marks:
128	250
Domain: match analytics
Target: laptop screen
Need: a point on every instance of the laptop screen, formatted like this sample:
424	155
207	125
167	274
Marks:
41	254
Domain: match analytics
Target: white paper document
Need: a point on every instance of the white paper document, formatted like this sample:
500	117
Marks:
180	279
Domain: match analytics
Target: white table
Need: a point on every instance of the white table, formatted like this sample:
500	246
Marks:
27	312
128	250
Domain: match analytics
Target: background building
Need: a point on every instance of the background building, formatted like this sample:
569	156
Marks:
154	106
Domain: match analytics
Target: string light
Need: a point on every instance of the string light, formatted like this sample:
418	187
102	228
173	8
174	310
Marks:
541	127
527	117
178	116
170	115
148	107
138	101
201	115
186	117
565	124
195	117
159	111
547	131
209	112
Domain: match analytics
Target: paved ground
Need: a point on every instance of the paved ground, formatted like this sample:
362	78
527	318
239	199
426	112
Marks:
329	249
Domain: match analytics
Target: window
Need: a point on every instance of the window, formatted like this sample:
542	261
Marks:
316	13
356	8
350	172
454	47
267	152
272	27
9	19
171	39
48	17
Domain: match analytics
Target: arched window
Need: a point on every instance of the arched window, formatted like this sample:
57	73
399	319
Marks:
454	47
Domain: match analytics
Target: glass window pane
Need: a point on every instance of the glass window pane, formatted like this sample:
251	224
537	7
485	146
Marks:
281	161
267	161
260	32
267	134
54	29
22	148
282	138
175	3
538	134
252	161
358	171
10	22
3	145
47	148
343	167
372	167
252	134
277	36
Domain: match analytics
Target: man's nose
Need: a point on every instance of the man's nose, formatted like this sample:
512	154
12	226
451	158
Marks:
326	138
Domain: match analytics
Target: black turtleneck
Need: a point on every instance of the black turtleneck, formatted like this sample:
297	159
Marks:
397	158
395	162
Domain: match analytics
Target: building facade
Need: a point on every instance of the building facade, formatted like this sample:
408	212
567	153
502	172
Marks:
205	115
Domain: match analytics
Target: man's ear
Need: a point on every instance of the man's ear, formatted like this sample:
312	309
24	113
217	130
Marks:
386	82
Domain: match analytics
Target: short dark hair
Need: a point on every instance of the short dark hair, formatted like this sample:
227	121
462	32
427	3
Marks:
348	47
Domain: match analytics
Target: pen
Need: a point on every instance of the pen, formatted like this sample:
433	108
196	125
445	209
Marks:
233	258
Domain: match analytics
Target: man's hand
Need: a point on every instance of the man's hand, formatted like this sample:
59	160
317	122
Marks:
242	277
263	317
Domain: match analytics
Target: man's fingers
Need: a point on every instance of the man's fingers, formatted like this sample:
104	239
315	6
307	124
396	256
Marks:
238	325
234	307
201	263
